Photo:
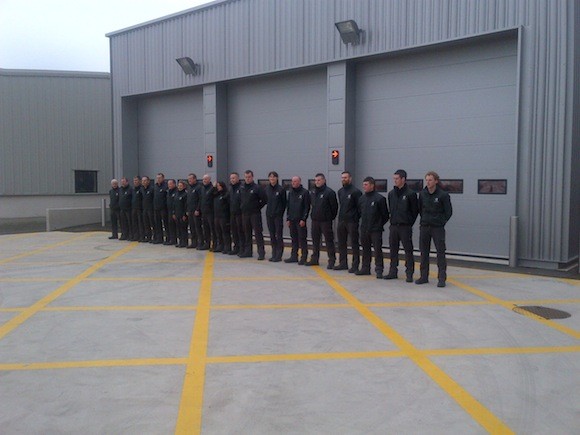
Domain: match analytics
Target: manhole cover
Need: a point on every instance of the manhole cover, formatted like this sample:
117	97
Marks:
544	312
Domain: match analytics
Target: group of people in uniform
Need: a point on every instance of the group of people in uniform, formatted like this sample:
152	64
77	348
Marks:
220	218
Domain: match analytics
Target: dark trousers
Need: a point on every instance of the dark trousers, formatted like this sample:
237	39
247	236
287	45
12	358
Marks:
404	235
209	230
171	231
115	222
126	227
343	231
237	230
320	228
223	236
427	233
182	235
299	236
195	229
374	239
160	224
253	222
148	224
137	224
276	227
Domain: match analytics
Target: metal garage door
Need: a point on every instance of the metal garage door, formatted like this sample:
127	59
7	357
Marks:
171	134
278	123
451	110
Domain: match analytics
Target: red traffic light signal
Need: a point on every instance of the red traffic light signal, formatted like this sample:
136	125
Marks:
335	154
209	160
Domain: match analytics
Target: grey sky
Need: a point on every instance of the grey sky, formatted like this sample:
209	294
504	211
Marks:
70	35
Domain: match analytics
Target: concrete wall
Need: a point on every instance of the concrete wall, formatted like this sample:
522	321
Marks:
36	205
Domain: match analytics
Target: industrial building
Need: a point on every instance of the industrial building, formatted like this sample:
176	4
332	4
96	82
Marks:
55	141
483	92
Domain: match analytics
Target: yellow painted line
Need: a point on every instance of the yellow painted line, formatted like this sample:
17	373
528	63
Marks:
303	357
510	306
124	308
152	278
191	404
42	303
33	279
569	281
501	351
279	306
12	310
45	248
268	278
471	405
543	301
160	261
426	304
92	364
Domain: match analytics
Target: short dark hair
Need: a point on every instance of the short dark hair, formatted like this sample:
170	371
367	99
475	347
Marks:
171	179
249	172
346	172
161	173
320	174
145	176
433	174
401	173
369	180
235	173
273	174
221	183
137	176
192	175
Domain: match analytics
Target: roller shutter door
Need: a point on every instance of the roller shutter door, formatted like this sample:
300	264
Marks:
451	110
170	129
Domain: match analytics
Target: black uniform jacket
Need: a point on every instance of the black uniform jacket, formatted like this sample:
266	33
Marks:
137	199
235	199
125	197
180	204
348	197
114	199
171	193
298	206
221	205
147	194
160	196
193	197
276	201
253	198
206	200
373	212
403	205
324	204
435	208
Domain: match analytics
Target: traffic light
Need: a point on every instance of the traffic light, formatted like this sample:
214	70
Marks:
335	154
209	161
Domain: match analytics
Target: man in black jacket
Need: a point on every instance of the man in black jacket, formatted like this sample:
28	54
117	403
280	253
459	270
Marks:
435	209
137	211
275	214
114	208
298	208
180	214
171	224
125	200
404	208
253	198
324	210
207	216
160	208
236	225
348	219
148	213
373	217
193	199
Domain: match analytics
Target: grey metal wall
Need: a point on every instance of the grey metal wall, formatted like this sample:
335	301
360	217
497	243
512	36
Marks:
278	123
282	34
52	123
170	134
452	110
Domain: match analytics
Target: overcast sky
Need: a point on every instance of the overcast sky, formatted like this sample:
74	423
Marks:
70	35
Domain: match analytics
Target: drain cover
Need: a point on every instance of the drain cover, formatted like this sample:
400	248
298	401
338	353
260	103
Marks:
544	312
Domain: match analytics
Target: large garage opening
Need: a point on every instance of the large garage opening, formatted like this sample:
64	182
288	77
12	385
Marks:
451	109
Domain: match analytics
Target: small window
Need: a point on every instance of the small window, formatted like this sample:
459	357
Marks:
264	182
416	184
85	181
451	186
492	187
381	184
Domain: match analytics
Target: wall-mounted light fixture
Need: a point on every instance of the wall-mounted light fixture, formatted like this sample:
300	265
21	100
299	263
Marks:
349	31
188	66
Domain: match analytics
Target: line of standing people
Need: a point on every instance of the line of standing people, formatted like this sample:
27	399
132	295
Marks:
212	216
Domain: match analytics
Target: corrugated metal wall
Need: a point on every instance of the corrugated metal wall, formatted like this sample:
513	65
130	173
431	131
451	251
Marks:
250	37
51	124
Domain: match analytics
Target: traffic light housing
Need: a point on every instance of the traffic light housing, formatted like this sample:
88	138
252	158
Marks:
335	154
209	159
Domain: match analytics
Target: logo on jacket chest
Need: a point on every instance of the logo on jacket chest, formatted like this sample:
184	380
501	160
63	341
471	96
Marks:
436	200
372	204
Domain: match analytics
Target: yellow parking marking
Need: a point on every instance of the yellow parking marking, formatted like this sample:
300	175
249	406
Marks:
42	303
12	310
279	306
543	301
33	279
45	248
93	364
425	304
511	306
303	357
569	281
268	278
473	407
124	308
152	278
501	351
161	261
191	404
